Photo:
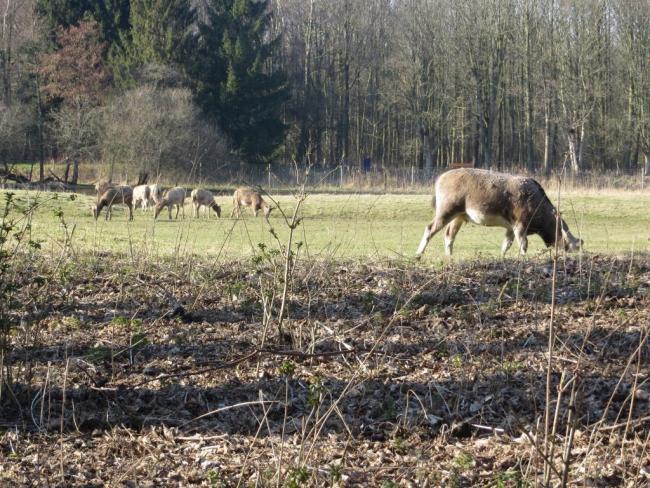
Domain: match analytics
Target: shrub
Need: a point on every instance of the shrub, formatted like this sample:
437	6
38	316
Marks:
159	131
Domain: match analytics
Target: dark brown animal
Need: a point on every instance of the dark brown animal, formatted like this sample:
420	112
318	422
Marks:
517	203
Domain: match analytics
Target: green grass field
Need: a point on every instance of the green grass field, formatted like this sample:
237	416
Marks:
343	226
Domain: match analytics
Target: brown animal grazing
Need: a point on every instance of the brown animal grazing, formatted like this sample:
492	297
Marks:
113	196
495	199
172	197
204	198
249	198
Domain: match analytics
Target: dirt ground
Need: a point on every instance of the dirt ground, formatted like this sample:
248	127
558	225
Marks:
393	374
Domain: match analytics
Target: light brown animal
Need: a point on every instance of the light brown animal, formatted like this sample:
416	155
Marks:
249	198
517	203
204	198
112	196
174	197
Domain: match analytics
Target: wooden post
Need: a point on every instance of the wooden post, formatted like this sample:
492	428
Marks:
341	176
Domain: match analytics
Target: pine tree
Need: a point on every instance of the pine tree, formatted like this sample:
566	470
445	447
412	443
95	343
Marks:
111	15
233	83
160	34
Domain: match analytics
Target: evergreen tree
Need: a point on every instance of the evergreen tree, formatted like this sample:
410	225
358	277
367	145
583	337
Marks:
233	82
111	15
160	34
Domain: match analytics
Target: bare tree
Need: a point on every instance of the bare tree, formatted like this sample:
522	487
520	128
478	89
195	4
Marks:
16	29
159	131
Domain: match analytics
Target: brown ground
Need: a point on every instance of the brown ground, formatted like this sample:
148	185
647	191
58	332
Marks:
385	375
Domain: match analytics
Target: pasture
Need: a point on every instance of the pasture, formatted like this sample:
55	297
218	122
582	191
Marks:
345	226
179	353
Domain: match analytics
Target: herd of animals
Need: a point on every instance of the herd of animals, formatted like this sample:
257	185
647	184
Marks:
517	203
145	196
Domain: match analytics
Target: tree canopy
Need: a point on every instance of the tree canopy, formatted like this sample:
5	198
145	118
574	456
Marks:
509	84
234	82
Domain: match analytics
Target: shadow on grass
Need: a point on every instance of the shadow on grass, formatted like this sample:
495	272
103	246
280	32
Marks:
468	350
420	388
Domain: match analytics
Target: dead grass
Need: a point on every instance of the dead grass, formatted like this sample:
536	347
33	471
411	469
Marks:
389	375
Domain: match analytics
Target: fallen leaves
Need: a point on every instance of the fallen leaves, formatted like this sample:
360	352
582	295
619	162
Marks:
453	391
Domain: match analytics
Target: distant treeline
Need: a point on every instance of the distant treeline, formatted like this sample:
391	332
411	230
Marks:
190	85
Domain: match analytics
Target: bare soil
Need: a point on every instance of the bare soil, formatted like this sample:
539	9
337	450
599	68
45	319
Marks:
138	374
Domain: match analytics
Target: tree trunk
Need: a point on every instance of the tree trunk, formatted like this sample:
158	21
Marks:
486	137
547	139
75	172
529	100
573	151
39	128
111	169
67	171
345	123
477	142
427	149
462	134
8	19
304	115
554	139
581	145
143	177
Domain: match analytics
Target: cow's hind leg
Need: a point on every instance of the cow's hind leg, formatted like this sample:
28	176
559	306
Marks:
430	230
507	241
450	234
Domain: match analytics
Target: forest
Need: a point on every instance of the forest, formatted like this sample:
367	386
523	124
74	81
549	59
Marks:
169	86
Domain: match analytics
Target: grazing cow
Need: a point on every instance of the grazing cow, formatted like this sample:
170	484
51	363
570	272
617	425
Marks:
517	203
